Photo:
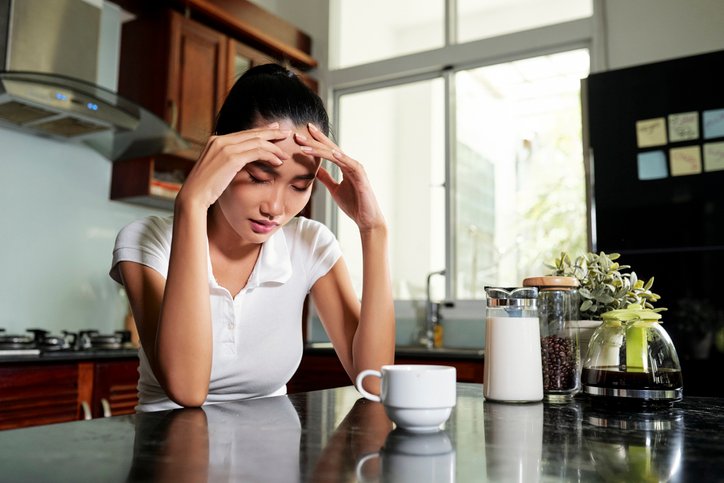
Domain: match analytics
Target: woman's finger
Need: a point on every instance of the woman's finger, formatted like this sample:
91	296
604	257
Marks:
327	180
333	154
253	146
266	133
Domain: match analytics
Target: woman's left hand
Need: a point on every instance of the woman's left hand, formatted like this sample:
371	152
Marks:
354	193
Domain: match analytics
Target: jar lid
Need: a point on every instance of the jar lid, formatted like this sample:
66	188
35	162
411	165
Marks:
549	282
511	297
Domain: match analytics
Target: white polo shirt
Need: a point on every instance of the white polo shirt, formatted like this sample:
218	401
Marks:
257	335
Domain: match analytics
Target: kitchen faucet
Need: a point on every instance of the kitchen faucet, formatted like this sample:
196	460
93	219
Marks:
432	315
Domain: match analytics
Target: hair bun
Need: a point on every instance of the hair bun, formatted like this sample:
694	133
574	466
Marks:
270	69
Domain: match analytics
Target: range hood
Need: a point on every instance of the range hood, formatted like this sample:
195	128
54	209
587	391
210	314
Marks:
54	55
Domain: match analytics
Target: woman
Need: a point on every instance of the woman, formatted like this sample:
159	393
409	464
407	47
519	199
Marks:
217	290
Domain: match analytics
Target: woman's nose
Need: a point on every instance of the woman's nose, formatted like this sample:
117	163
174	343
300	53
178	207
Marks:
273	204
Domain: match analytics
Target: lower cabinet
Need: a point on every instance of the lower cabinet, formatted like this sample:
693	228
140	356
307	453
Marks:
114	388
322	370
35	393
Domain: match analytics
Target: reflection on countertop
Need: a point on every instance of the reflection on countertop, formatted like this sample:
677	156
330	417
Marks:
334	435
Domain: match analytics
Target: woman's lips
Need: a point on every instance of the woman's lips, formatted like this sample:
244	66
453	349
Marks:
263	227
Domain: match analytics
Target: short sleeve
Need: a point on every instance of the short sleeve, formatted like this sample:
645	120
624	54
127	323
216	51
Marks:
146	241
323	249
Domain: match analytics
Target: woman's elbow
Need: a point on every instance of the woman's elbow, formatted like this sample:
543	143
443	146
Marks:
187	397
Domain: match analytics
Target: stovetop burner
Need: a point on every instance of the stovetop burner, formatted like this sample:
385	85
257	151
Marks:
39	341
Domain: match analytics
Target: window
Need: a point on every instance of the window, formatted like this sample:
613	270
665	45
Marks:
398	134
520	196
478	165
371	30
479	19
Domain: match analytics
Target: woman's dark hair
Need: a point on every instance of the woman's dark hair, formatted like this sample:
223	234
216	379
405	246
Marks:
270	92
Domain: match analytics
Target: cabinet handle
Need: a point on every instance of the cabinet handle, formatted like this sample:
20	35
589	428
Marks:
86	410
106	408
174	113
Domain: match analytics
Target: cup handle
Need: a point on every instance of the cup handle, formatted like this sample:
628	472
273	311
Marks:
361	462
360	378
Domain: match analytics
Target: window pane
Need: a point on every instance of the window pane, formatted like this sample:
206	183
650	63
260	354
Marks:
519	170
372	30
398	134
479	19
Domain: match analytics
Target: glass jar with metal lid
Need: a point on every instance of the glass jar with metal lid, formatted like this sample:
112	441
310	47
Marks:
512	345
558	313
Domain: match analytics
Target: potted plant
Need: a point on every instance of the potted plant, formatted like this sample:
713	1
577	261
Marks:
605	285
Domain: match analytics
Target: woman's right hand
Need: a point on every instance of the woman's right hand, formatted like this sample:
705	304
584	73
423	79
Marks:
224	156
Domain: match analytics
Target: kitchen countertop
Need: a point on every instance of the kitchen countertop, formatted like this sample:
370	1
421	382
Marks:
418	352
81	355
333	435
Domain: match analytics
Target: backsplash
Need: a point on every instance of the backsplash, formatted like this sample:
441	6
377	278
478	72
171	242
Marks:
58	228
464	325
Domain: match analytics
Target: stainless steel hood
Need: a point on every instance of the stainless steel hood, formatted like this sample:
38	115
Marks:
53	54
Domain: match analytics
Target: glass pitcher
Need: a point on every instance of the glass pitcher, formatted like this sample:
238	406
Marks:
631	359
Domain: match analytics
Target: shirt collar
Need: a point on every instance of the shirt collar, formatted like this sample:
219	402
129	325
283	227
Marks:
274	265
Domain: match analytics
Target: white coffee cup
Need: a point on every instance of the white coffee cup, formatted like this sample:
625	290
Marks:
416	397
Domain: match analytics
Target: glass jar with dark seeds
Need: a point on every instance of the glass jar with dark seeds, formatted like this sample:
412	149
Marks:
558	315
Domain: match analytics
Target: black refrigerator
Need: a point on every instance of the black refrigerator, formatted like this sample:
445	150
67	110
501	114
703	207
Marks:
655	138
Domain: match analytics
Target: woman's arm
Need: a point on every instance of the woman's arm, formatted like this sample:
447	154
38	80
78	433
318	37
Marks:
174	316
363	333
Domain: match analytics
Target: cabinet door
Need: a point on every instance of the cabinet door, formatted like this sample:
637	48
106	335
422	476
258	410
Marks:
114	387
197	78
34	394
241	58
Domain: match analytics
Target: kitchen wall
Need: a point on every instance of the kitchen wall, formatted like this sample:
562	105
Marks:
647	31
57	229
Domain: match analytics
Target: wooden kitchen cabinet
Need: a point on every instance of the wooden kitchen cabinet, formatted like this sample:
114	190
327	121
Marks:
241	57
175	67
115	388
151	181
34	393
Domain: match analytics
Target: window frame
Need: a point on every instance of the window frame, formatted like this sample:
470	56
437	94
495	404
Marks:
445	63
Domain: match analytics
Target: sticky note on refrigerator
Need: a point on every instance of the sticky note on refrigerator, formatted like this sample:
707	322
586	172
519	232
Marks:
713	122
651	132
652	165
713	156
684	161
683	126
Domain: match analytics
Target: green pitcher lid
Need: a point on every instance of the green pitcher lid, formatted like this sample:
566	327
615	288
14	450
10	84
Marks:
630	313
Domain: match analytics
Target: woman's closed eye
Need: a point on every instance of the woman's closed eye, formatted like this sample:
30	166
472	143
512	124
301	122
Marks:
258	180
302	188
